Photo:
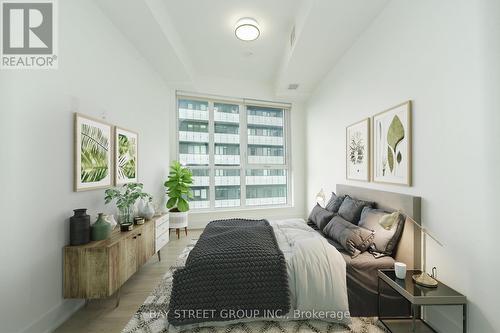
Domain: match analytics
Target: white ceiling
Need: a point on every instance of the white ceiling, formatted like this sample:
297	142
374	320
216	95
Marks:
187	40
207	31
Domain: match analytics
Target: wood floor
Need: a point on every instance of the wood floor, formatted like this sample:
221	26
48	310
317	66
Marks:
101	316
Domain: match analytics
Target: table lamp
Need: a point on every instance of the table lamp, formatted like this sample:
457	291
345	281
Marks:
320	198
423	278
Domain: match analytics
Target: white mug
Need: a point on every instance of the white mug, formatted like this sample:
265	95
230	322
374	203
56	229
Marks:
400	269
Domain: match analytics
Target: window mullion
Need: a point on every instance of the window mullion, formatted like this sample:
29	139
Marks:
211	140
243	154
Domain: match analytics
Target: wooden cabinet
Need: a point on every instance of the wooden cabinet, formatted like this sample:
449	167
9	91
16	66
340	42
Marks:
99	269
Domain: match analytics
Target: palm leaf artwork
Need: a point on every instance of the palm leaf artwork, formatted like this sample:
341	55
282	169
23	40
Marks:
94	150
127	157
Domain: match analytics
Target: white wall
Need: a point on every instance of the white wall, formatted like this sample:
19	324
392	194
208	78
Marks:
444	56
99	73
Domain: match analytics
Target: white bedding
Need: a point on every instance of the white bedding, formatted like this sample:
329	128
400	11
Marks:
316	272
316	277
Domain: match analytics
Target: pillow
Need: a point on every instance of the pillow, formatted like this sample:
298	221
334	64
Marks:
320	216
312	224
351	209
354	239
387	227
334	204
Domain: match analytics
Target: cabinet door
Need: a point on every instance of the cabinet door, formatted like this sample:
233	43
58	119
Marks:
146	244
128	257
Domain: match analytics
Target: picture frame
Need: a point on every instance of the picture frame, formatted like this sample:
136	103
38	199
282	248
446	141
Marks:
126	159
392	145
358	151
92	153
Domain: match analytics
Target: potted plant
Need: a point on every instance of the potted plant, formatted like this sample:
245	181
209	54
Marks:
126	197
179	192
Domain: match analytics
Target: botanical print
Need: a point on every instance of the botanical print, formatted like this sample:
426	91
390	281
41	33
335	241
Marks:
392	133
358	151
93	153
125	156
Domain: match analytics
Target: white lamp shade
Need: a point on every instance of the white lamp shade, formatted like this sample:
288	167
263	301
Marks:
247	29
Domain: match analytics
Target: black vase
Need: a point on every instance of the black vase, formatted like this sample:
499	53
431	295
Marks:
79	227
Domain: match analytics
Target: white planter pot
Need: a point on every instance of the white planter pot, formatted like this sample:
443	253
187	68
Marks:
178	219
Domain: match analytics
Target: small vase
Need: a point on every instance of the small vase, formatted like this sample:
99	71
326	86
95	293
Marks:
148	211
126	214
79	227
140	206
101	229
111	220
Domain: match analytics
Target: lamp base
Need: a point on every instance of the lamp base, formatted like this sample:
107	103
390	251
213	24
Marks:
425	280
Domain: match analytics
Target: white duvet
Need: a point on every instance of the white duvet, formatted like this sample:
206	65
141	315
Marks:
316	277
316	273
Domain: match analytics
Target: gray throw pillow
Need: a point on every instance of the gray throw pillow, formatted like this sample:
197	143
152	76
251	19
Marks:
386	238
334	204
320	216
354	239
351	209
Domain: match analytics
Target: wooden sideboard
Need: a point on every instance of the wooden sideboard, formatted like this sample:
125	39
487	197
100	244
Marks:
98	269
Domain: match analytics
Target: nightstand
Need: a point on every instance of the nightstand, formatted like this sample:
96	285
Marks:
417	297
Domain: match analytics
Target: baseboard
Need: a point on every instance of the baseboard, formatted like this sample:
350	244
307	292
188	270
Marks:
51	320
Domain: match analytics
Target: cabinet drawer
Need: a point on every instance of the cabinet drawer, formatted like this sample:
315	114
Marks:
161	220
162	228
161	240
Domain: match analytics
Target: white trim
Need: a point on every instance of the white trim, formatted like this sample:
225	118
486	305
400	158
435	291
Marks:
55	317
236	100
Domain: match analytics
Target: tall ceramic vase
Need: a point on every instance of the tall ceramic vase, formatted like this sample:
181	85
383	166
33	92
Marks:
79	227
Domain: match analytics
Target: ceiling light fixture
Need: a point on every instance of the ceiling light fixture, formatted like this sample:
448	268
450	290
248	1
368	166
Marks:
247	29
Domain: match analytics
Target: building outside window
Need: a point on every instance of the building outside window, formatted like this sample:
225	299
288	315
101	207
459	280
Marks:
236	150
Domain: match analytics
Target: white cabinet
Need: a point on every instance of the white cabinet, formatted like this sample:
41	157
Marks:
162	226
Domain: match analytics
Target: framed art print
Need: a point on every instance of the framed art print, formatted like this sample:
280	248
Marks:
392	145
358	151
126	156
92	153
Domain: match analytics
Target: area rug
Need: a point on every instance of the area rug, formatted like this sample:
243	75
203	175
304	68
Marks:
151	317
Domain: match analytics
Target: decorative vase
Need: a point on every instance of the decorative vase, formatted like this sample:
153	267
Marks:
140	206
126	214
148	211
79	227
111	220
101	229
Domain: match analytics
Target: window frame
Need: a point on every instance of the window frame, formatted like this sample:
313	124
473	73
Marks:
244	164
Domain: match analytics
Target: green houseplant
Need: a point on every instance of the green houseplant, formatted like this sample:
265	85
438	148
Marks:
126	197
179	192
178	187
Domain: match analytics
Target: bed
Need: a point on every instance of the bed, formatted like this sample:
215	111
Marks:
362	271
320	275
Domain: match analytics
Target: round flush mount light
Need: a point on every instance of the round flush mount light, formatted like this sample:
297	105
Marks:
247	29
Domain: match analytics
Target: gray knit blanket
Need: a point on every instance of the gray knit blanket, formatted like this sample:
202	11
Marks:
236	268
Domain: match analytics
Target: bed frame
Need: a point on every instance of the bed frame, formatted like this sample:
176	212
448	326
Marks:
409	247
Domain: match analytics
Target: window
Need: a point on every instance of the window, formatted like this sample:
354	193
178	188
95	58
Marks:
236	150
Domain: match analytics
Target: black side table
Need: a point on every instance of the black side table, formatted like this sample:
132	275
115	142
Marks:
417	296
